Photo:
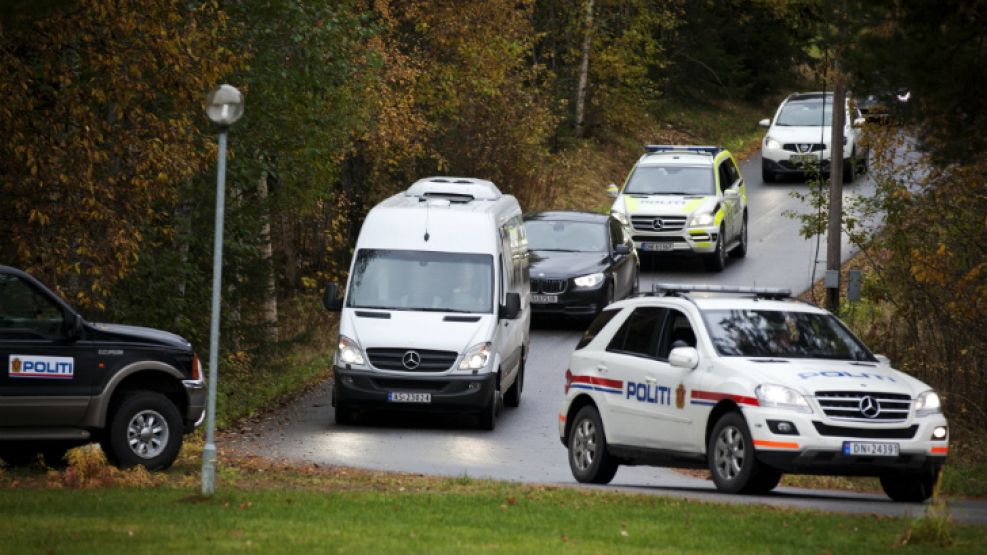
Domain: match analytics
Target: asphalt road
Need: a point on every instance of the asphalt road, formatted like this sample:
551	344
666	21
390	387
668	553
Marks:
525	446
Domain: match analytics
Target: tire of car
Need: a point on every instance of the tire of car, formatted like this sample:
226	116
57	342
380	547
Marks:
588	457
740	250
850	169
145	429
910	488
716	261
730	454
513	396
487	419
767	175
342	414
19	453
637	281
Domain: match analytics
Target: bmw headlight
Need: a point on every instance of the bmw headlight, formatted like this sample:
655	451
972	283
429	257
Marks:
927	403
620	217
779	396
476	357
701	220
771	144
349	351
591	280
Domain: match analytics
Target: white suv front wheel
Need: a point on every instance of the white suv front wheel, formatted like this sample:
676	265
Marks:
731	458
588	457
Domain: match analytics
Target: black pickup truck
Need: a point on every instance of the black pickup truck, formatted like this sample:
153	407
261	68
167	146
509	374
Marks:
67	382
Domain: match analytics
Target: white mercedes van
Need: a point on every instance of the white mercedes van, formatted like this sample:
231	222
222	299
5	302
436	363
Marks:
436	312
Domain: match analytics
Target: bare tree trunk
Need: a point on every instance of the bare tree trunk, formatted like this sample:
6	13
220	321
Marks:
269	309
584	70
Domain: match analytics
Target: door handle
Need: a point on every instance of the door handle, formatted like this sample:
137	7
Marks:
601	368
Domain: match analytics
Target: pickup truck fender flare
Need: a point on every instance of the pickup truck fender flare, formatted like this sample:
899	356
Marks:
99	406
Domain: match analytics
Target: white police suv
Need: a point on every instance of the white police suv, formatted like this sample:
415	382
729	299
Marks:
685	200
751	384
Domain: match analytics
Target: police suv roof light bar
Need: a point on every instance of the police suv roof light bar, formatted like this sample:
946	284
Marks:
711	150
760	292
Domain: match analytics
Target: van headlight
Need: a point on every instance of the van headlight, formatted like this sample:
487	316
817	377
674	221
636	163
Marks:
779	396
701	220
476	357
771	144
591	280
349	351
620	217
927	403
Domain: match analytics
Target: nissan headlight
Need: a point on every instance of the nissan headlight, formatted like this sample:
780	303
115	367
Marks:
779	396
620	217
476	357
927	403
771	144
349	351
591	280
701	220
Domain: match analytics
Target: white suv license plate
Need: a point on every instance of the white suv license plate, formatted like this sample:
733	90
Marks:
657	247
401	397
870	449
545	299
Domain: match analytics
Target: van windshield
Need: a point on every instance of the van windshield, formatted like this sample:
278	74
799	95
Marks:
422	280
776	333
671	180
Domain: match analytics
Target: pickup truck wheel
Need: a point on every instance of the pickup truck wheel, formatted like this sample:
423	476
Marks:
910	488
19	453
588	457
731	458
145	429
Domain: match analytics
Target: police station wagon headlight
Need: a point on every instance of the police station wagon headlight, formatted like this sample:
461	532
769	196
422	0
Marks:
771	144
700	220
779	396
349	351
591	280
476	357
927	403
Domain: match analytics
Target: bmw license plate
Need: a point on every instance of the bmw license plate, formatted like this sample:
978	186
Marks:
545	299
401	397
870	449
658	247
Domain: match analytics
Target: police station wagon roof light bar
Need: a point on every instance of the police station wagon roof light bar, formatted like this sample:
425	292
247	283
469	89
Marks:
711	150
759	292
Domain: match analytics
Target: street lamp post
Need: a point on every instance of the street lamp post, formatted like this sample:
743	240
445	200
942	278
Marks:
224	106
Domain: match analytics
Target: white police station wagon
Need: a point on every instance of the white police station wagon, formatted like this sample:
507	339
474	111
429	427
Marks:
751	384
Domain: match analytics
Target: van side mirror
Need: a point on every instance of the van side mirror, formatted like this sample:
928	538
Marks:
765	122
622	249
511	308
72	328
684	357
331	300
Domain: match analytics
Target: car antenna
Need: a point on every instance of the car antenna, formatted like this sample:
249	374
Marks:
426	220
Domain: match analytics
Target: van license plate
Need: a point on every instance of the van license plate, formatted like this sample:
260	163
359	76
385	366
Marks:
870	449
658	247
401	397
545	299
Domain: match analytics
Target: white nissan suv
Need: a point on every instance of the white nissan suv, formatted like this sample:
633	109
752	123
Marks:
748	383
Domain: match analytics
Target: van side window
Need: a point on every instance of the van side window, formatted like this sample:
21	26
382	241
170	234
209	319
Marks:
639	334
677	333
598	324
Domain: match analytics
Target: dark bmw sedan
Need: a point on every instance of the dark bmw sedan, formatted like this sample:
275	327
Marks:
580	262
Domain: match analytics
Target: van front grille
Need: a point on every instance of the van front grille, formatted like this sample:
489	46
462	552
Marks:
411	360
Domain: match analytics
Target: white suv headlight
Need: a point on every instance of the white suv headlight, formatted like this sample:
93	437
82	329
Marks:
701	220
772	144
476	357
349	351
779	396
591	280
927	403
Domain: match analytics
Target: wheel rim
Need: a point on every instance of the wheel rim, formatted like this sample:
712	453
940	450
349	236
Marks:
730	453
584	445
147	434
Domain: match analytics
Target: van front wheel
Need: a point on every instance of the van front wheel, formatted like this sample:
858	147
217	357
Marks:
488	416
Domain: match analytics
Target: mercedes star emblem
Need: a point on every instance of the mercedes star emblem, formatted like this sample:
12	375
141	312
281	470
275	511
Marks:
657	223
869	406
411	360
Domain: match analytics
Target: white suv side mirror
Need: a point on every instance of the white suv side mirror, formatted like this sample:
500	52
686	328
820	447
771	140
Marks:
684	357
613	191
883	360
859	122
765	122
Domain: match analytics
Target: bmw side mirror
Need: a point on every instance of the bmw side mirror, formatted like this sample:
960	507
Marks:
765	122
684	357
622	250
613	191
511	308
331	300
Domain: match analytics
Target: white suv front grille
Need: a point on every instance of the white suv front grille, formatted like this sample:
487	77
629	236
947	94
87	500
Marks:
864	406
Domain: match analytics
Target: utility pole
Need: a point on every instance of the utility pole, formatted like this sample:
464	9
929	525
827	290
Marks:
834	229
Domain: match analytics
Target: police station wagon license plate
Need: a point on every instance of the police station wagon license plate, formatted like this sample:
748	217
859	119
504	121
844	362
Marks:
545	299
870	449
657	247
402	397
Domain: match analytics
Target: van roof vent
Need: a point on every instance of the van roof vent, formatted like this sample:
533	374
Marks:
454	189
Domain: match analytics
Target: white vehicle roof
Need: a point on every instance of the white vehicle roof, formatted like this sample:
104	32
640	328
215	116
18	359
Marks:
721	301
676	159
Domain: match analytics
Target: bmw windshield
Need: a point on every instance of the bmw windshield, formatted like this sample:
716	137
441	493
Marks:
671	180
775	333
422	280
